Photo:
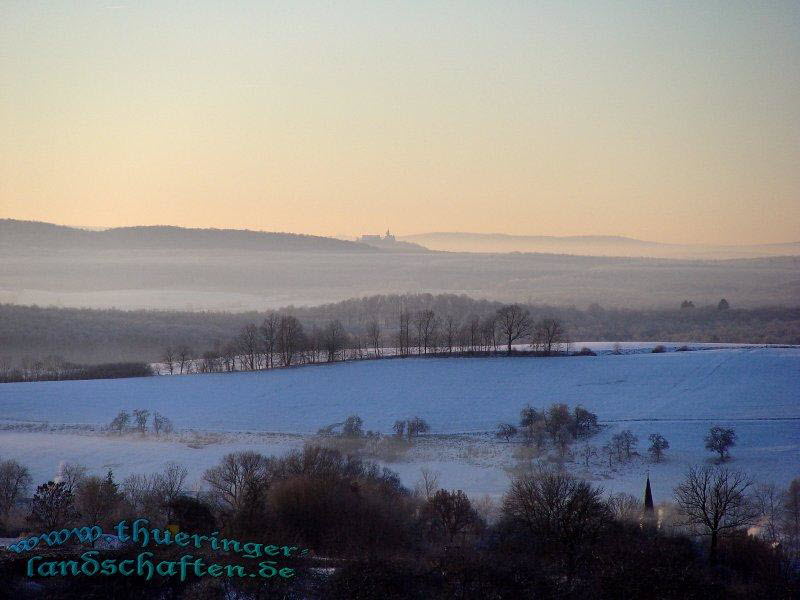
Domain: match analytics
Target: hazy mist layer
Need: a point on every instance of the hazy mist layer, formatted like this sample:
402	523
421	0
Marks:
198	269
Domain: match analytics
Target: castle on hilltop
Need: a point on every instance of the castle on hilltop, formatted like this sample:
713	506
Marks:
378	239
390	243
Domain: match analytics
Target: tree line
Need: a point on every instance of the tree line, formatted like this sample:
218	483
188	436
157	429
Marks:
54	368
33	334
551	535
281	340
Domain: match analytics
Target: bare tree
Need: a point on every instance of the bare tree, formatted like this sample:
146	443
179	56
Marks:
610	451
269	336
473	333
161	424
169	359
6	366
153	496
450	331
248	345
141	415
658	444
168	486
404	333
71	475
536	435
452	512
211	362
625	507
588	452
374	336
184	358
767	499
534	427
334	339
425	325
624	445
120	422
313	346
237	477
557	419
415	427
720	440
290	339
489	334
428	483
14	483
229	357
790	519
513	323
560	510
56	365
548	336
585	422
142	497
563	440
715	500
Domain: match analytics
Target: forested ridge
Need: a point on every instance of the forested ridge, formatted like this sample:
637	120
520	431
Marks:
95	336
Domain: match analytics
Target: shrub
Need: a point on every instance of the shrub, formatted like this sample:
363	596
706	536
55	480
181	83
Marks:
386	448
506	431
353	427
332	502
115	371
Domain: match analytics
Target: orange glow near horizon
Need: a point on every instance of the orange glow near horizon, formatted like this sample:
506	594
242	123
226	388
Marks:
673	124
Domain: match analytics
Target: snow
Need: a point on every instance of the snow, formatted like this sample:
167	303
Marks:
754	389
42	452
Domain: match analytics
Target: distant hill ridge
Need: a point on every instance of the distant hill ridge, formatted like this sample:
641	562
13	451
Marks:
37	234
465	235
599	245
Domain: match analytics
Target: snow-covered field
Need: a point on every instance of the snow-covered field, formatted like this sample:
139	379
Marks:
756	390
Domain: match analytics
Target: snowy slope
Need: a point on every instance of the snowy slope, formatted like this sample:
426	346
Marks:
679	394
453	395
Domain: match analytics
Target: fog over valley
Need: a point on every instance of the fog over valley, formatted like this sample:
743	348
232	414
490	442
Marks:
191	269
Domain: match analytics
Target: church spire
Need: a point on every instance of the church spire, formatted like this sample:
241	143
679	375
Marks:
648	496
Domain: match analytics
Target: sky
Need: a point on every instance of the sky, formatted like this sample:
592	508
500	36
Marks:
669	121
